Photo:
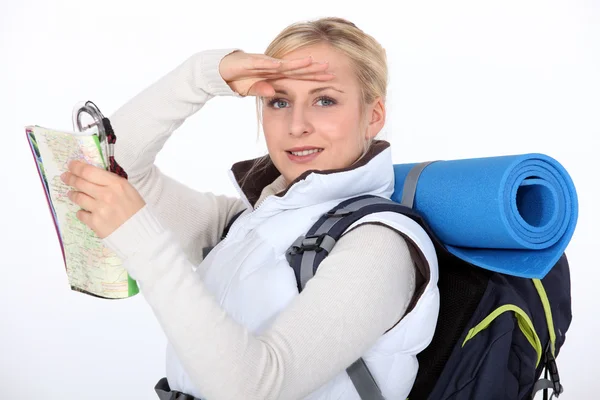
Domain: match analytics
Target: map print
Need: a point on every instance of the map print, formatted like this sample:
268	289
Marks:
91	267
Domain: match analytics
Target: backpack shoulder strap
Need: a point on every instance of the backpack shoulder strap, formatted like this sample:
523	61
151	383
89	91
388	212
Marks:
230	223
308	251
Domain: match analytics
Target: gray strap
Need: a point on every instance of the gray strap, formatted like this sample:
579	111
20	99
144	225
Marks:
328	243
363	381
306	267
358	372
162	395
330	222
542	384
410	183
308	260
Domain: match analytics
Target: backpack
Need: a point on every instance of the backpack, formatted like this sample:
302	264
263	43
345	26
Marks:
495	334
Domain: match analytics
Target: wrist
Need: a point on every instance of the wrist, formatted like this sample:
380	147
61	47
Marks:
208	72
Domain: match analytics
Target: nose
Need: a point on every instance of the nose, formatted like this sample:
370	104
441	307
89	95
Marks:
300	124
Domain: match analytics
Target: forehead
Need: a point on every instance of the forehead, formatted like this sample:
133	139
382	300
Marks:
319	52
339	64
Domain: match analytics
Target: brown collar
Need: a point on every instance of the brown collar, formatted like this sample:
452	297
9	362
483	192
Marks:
260	177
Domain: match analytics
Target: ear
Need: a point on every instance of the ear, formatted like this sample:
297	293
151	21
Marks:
376	118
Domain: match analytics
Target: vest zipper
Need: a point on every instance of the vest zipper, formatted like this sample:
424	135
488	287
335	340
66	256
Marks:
244	217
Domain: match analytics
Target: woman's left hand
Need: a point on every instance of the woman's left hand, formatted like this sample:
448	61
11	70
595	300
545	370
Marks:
107	200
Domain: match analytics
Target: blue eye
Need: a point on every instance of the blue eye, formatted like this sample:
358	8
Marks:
327	99
277	101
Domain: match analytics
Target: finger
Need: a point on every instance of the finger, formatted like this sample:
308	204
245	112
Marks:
279	64
82	185
82	200
314	67
291	65
85	217
262	88
90	173
311	69
316	77
265	64
323	76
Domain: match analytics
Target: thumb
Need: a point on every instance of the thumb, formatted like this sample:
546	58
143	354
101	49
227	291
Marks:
261	88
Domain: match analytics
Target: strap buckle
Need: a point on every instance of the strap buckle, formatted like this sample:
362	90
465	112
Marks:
307	243
340	212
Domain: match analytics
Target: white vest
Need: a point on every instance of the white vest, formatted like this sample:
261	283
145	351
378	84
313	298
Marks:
251	279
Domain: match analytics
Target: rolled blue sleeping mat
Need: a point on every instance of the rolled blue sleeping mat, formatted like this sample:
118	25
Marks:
511	214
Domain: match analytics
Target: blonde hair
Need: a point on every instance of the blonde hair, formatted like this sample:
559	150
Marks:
368	59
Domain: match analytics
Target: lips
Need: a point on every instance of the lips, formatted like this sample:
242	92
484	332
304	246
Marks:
304	149
303	154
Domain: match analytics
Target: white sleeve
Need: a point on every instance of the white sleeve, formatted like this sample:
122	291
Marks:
142	127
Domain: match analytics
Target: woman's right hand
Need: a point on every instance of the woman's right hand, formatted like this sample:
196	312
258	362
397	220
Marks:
246	73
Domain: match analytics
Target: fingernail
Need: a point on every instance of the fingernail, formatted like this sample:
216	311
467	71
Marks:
63	176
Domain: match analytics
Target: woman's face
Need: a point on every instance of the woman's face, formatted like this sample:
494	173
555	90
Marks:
317	125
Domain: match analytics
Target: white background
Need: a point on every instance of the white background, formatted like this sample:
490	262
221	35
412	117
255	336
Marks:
467	79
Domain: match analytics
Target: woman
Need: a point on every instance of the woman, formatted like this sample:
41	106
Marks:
236	325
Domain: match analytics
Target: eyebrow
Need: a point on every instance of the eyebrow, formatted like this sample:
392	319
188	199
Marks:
319	89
